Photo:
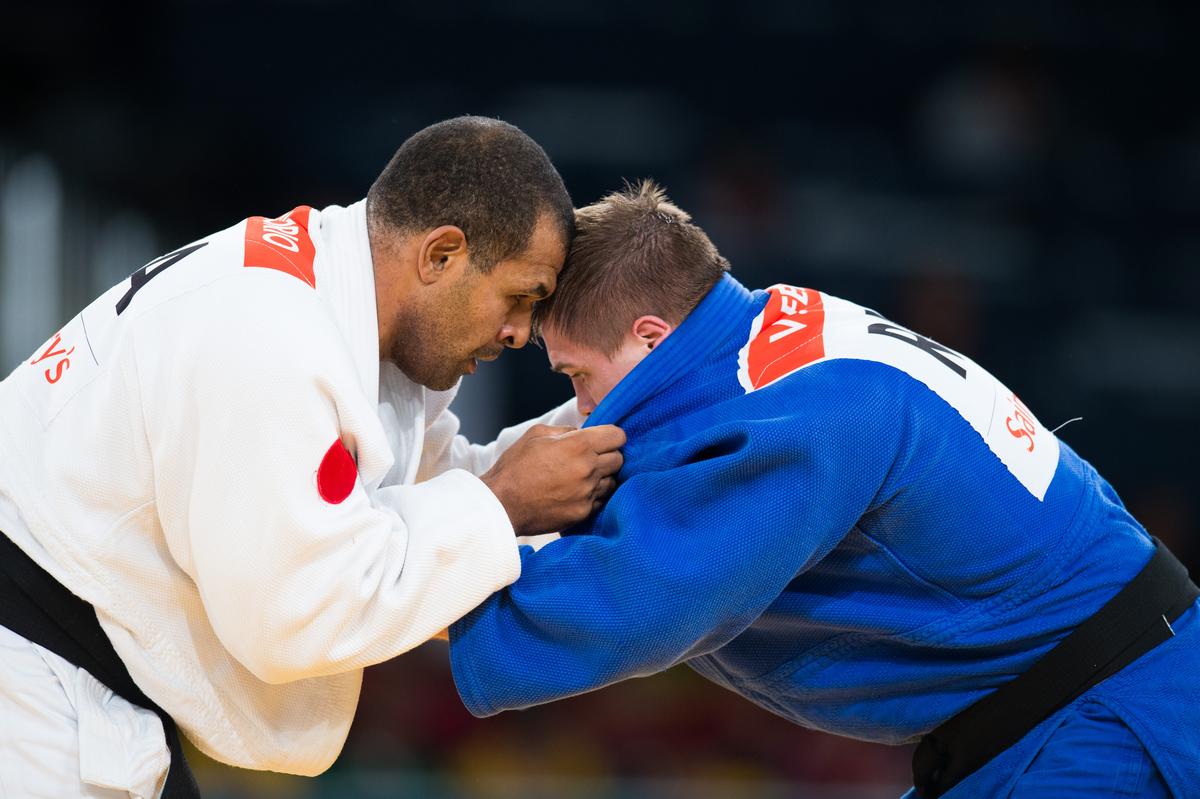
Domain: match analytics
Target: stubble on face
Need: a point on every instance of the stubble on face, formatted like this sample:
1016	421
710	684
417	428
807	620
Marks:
428	345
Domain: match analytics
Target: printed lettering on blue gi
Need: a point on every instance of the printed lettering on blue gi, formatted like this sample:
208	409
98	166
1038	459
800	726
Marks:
922	343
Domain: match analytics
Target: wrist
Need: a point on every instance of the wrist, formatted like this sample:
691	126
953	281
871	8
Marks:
499	488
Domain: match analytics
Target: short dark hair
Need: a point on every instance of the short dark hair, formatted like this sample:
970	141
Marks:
634	253
482	175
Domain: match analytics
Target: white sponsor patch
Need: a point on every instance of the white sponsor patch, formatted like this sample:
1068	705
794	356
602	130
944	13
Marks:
800	327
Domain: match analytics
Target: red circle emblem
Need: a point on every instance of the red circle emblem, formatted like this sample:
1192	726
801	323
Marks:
337	473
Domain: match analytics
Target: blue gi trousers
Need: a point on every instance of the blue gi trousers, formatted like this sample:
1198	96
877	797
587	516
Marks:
1093	754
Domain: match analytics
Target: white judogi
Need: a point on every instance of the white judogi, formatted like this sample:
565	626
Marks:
174	456
64	735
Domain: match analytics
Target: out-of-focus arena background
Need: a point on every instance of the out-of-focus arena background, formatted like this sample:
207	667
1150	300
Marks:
1018	180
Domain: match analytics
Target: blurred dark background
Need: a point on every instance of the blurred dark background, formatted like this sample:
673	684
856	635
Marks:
1018	180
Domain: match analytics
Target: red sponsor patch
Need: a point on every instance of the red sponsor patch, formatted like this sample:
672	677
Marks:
786	336
282	244
336	474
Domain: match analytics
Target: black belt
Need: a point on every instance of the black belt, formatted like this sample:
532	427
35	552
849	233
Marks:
37	607
1129	625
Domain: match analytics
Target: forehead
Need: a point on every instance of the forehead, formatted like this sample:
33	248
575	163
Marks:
542	259
564	352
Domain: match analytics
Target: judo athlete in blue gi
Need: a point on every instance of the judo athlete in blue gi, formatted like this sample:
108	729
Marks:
846	523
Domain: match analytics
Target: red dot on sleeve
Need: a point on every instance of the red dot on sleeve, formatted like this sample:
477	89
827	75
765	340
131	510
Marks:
337	473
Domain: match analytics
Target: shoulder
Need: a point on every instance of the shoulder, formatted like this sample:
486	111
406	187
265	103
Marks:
256	259
249	328
806	337
799	328
848	362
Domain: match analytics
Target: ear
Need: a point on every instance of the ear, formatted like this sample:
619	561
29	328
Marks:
650	331
443	250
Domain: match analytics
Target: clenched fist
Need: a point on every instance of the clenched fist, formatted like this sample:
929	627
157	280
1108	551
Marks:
553	477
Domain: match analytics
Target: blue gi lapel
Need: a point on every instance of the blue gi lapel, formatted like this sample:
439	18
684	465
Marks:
723	312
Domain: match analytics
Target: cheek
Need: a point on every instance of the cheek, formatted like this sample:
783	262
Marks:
489	314
612	372
472	317
602	384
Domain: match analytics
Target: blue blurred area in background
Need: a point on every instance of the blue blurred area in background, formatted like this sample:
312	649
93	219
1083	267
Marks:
1020	181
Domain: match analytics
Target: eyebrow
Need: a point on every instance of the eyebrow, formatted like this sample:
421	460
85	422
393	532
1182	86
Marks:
562	367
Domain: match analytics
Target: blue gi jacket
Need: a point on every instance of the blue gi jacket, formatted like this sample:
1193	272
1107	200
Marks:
846	523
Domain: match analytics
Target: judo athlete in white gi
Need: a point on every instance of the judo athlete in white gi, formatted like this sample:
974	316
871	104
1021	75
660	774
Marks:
241	463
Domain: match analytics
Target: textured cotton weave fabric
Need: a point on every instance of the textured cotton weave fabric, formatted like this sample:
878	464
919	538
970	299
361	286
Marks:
844	529
212	455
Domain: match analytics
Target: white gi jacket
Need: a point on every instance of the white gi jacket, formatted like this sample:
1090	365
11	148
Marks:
212	455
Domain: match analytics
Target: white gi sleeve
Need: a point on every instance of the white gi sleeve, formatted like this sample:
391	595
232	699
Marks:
257	455
445	449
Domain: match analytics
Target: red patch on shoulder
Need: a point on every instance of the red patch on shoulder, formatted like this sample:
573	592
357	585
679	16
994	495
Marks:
336	474
787	335
282	244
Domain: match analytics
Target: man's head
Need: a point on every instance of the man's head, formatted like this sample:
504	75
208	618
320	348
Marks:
636	269
469	224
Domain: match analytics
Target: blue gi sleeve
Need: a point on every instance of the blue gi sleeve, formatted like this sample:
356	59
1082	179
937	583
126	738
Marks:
688	552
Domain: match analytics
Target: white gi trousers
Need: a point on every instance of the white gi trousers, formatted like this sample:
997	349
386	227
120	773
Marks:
64	735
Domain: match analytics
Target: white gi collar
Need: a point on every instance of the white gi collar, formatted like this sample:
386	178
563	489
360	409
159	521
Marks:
346	280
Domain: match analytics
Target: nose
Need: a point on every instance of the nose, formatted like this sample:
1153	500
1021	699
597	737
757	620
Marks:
584	403
515	335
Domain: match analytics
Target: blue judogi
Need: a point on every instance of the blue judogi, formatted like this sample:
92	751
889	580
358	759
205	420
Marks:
844	522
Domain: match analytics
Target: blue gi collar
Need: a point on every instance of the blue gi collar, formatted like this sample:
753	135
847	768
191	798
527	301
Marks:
721	314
